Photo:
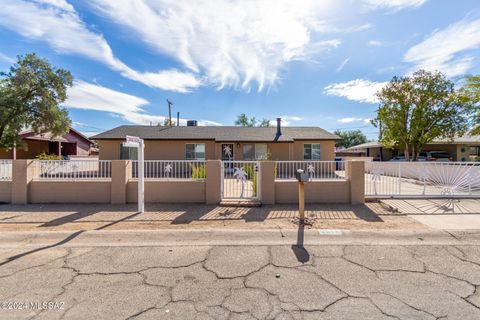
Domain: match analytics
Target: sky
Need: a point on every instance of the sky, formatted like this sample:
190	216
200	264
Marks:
310	62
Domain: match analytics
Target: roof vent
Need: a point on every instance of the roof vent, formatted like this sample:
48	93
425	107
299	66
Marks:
192	123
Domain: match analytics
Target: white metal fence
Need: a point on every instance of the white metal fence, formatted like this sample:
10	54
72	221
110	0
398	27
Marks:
422	179
72	169
316	170
171	169
240	179
5	169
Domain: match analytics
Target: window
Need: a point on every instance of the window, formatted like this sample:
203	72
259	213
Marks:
260	151
128	153
248	151
311	151
256	151
195	151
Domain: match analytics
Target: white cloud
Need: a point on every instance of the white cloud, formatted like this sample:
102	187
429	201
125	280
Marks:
393	4
440	51
286	120
349	120
353	119
4	57
342	64
88	96
375	43
359	90
57	23
232	43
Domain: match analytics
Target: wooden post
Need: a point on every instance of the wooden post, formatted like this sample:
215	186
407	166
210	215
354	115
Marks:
301	200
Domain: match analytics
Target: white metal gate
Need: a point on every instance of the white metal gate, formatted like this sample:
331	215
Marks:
422	179
240	180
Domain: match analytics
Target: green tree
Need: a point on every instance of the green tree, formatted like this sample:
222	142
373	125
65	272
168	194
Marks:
244	121
30	94
169	123
350	138
415	110
265	123
472	90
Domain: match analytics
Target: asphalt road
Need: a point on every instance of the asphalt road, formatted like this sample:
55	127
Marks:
354	279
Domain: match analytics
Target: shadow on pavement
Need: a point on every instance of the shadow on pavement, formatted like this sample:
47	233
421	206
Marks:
18	256
299	250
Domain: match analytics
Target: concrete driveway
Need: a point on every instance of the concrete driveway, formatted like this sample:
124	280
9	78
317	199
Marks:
434	278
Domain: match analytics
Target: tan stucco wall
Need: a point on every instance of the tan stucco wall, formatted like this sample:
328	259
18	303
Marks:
157	191
155	150
69	191
278	151
109	149
5	191
267	182
24	189
327	150
286	192
213	182
355	174
175	150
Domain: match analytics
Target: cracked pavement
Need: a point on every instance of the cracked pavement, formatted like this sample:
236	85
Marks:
240	282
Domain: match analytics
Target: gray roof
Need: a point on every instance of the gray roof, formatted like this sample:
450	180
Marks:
217	133
465	139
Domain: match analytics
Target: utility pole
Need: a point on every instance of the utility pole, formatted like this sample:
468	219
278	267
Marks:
169	113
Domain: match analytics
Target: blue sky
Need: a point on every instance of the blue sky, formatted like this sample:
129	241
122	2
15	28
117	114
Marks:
313	63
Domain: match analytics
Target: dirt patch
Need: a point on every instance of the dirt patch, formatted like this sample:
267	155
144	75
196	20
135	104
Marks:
104	217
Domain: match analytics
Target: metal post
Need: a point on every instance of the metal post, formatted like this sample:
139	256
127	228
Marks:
400	178
301	200
141	177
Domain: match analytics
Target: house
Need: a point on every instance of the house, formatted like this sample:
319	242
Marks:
465	148
219	142
73	143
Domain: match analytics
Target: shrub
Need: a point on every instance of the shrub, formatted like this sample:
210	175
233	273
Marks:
44	156
198	171
252	175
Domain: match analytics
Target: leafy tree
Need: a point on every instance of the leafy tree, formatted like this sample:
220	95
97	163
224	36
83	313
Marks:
472	90
350	138
415	110
30	94
169	123
265	123
244	121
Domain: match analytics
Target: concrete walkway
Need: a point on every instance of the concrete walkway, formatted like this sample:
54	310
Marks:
431	206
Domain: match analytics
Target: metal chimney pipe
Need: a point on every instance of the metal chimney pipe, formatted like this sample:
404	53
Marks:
178	118
279	127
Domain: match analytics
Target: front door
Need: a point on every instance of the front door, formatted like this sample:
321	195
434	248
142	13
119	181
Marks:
227	151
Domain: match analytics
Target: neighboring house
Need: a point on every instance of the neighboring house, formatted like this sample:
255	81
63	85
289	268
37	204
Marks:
219	142
72	143
465	148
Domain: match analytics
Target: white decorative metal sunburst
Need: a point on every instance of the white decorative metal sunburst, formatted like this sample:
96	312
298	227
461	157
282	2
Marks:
440	179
